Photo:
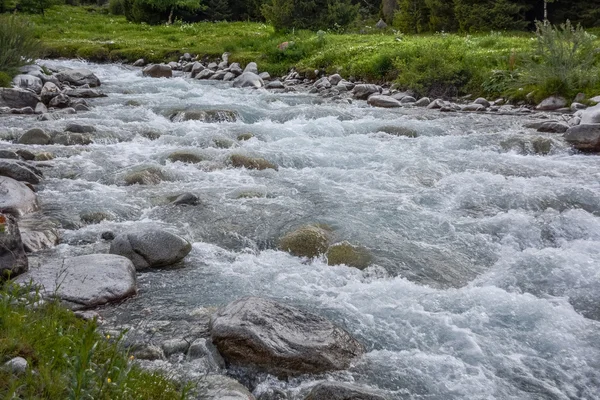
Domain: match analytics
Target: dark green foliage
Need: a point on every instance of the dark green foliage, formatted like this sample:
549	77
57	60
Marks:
477	15
5	80
17	42
218	10
36	6
158	11
412	16
441	16
314	14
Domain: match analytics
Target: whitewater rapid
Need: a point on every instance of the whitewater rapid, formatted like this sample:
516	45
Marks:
486	275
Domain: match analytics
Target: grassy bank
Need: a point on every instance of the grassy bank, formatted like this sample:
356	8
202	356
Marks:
438	65
68	358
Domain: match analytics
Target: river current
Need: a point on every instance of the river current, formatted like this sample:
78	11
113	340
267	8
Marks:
486	275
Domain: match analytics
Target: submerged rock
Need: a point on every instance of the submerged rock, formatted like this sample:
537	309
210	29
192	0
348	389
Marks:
241	161
341	391
78	128
245	136
186	156
208	116
398	131
151	248
13	260
280	339
308	241
186	199
72	139
347	254
591	115
16	198
85	281
145	176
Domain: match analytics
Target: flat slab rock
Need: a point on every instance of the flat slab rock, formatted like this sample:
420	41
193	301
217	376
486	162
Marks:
280	339
84	281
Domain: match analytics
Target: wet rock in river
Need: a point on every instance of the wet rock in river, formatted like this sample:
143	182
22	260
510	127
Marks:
208	116
280	339
585	137
9	154
221	387
20	171
13	260
158	71
16	198
151	248
78	128
17	98
245	136
398	131
145	176
363	91
383	101
591	115
35	136
189	199
248	80
60	101
72	139
78	77
341	391
84	281
308	241
347	254
241	161
186	156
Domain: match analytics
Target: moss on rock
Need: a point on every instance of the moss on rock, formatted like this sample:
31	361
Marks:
185	156
347	254
308	241
146	176
241	161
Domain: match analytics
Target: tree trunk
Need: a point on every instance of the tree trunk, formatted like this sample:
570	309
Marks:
388	8
170	21
545	12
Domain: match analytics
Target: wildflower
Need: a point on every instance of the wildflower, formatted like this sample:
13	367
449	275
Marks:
108	380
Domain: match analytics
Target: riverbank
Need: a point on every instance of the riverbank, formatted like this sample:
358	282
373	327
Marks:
440	65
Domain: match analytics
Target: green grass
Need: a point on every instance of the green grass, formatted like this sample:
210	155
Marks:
68	357
435	64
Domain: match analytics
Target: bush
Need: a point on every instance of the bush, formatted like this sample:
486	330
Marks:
317	14
115	7
5	80
564	61
18	44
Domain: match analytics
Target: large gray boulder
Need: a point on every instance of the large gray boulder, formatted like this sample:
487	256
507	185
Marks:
17	98
16	198
248	79
280	339
585	137
20	171
28	82
84	281
196	68
341	391
363	91
158	71
34	136
13	260
84	93
379	100
251	67
552	103
38	232
591	115
151	248
78	77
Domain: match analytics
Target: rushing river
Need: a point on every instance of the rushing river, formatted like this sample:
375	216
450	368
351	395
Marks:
486	275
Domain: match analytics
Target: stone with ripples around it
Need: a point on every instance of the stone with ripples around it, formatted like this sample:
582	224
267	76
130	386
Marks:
280	339
341	391
151	248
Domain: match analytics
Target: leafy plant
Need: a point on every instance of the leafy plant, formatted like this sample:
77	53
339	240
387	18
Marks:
18	43
563	62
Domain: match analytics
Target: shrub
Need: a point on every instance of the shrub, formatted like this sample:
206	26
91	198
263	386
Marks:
115	7
563	62
18	44
317	14
5	80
